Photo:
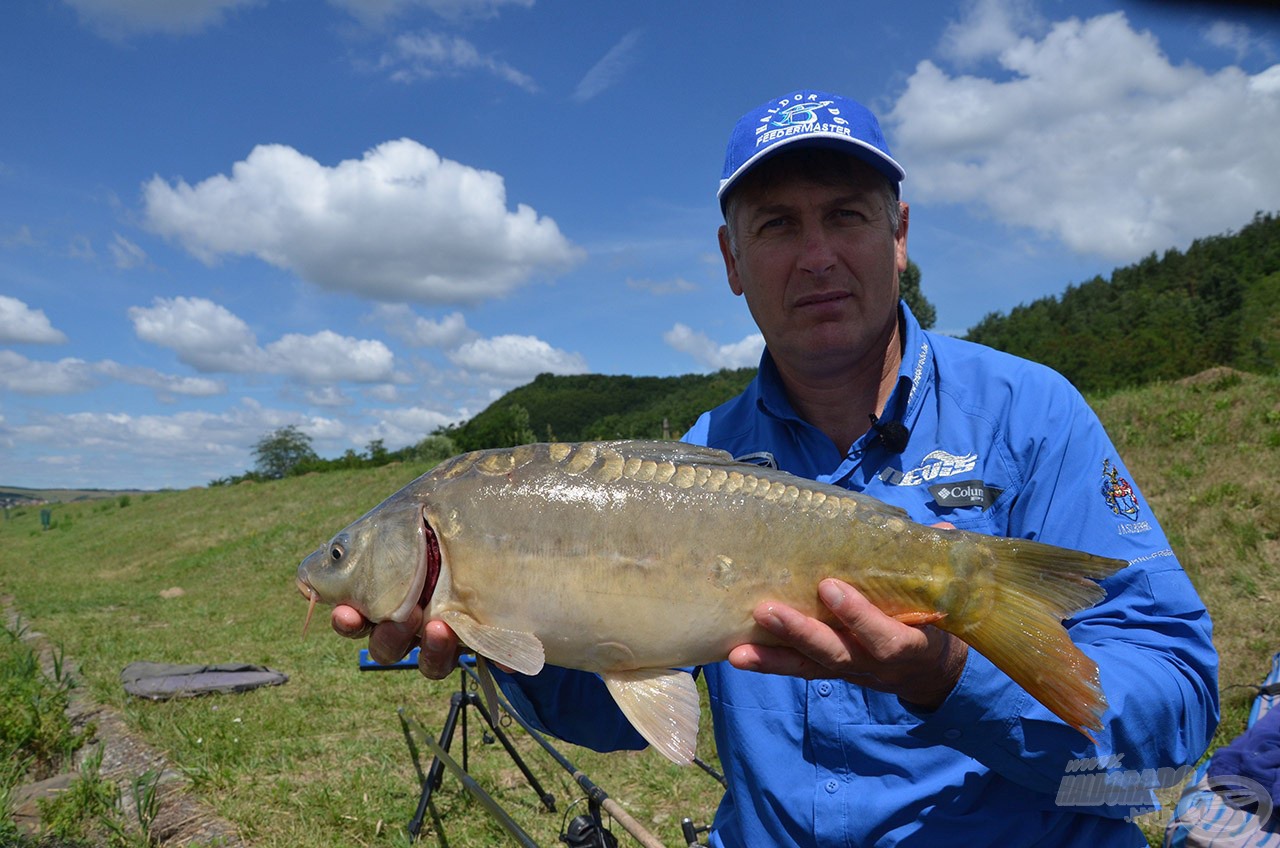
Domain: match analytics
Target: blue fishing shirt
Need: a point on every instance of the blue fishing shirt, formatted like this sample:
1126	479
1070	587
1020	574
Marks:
1001	446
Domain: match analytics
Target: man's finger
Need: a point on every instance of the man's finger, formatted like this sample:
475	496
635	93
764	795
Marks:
769	659
348	622
391	640
439	654
879	635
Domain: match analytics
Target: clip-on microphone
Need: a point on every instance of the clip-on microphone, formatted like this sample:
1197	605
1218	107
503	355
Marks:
892	434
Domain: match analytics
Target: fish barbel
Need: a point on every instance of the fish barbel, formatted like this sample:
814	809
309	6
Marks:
633	558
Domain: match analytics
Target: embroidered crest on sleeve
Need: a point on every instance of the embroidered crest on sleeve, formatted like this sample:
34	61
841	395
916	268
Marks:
1116	491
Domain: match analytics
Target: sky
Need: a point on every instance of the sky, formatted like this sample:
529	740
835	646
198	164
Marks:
371	218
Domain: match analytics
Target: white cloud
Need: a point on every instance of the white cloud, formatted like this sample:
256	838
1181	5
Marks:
609	69
741	354
326	396
125	254
120	18
428	55
399	427
1113	158
120	450
378	12
21	324
1238	39
209	337
988	28
203	334
412	329
516	358
73	376
30	377
400	224
166	386
327	357
21	237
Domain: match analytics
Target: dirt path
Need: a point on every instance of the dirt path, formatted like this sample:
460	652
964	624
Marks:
181	819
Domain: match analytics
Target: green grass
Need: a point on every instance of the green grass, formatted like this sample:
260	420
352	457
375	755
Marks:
321	761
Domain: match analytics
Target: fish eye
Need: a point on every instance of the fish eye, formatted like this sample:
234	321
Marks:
336	552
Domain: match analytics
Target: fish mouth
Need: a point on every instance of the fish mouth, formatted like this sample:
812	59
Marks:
431	555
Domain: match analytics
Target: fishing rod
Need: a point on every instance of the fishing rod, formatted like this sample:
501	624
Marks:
469	783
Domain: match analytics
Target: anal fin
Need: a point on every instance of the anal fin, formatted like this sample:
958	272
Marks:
516	649
662	705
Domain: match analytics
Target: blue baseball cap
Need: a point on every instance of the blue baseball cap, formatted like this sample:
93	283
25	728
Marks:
811	118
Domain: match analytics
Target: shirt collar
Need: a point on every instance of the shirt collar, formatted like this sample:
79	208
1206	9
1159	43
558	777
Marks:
915	372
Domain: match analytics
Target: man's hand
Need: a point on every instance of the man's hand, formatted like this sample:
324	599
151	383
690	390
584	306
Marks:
389	641
920	665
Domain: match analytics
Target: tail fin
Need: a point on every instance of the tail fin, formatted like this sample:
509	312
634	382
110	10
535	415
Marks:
1021	632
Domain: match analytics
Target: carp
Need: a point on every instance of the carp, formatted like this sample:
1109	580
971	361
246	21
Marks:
632	559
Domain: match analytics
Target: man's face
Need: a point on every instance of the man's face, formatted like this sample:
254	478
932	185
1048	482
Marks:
818	264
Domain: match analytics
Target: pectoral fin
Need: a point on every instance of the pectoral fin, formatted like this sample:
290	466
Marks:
515	649
662	705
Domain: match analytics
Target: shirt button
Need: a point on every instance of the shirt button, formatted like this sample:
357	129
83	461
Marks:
831	786
824	688
952	734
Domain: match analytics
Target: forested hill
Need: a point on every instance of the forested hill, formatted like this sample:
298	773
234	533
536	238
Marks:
1160	319
598	406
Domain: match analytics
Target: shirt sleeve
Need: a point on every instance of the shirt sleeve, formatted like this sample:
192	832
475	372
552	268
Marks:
1151	635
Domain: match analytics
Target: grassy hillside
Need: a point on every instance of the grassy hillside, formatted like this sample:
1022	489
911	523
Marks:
321	761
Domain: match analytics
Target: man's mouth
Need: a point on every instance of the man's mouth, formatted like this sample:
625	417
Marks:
820	298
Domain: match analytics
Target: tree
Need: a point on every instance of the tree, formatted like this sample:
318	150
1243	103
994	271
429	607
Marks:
377	451
909	288
277	453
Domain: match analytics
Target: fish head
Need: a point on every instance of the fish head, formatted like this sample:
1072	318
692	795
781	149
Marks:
382	564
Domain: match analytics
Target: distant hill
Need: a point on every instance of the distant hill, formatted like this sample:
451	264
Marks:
598	406
15	496
1163	318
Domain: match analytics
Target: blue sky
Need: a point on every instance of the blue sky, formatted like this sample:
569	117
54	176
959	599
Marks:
369	218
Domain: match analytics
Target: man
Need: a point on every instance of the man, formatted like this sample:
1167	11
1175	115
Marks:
873	732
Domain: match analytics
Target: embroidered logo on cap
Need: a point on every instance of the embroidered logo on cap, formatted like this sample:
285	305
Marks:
800	117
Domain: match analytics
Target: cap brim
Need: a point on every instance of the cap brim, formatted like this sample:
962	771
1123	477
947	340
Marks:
857	148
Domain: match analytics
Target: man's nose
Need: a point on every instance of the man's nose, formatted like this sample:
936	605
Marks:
817	253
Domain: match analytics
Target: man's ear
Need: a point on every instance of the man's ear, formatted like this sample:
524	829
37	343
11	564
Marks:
900	238
730	261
